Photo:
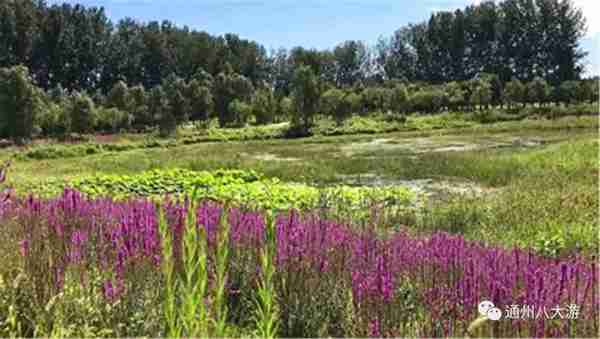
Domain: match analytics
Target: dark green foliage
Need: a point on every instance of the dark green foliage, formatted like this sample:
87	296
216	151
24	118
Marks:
515	92
567	92
201	100
456	96
227	88
175	88
241	111
375	99
514	38
119	97
538	91
351	58
399	99
112	119
427	101
306	95
139	112
334	105
81	49
161	111
82	113
481	93
264	106
76	48
20	102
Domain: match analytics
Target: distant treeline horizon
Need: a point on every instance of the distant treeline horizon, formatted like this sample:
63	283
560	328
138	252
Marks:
80	48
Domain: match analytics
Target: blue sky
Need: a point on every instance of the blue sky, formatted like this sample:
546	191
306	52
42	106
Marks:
309	23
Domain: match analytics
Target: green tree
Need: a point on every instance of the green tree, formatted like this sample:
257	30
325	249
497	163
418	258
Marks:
482	93
335	105
427	100
285	108
594	89
228	87
139	111
20	102
585	91
161	112
514	92
399	99
353	102
175	88
375	99
264	106
306	95
567	92
538	91
119	97
397	55
201	100
82	112
455	95
351	57
241	111
111	119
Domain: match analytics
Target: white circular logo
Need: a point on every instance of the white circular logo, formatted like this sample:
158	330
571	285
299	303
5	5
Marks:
494	314
484	307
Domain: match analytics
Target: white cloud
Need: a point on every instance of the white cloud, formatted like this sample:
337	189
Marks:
591	9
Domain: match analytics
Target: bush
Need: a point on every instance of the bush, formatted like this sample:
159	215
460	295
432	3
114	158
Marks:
241	111
427	101
112	119
82	113
336	104
264	106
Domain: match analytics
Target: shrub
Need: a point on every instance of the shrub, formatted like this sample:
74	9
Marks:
139	111
515	92
538	91
119	97
112	119
399	99
82	113
241	111
335	105
427	101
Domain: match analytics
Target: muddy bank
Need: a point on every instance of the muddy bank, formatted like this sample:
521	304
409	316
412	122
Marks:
431	188
441	144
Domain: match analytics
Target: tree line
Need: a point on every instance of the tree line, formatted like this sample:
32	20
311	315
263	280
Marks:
28	110
79	48
72	61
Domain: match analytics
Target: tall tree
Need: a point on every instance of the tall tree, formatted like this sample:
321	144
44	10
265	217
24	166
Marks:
306	94
229	86
20	102
351	58
397	55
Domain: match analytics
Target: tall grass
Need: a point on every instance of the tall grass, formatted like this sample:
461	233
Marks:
185	309
195	278
174	329
221	257
266	318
